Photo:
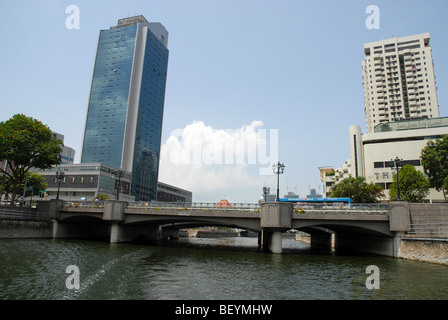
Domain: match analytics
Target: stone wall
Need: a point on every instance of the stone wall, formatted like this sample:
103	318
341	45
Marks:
425	212
10	229
434	251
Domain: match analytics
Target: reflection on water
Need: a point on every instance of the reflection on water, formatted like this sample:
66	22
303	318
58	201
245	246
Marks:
199	268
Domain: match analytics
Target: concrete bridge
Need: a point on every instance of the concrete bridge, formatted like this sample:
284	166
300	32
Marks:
369	229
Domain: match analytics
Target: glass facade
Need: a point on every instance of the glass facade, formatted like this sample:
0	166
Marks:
106	114
149	122
106	123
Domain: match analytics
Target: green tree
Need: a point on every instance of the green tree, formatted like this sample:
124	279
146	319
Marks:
358	190
414	185
435	163
26	143
37	182
445	187
34	183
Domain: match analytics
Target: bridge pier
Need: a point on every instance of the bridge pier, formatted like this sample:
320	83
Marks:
114	233
276	217
272	241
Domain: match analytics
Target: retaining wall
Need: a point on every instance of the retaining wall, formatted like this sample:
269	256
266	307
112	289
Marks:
426	250
427	213
10	229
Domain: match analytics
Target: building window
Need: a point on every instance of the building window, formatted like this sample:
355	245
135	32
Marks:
379	164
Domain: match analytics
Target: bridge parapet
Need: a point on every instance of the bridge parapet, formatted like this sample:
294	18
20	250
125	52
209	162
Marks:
195	205
114	210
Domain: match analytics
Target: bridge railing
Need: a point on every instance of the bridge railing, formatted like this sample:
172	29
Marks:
369	208
19	213
356	208
428	229
194	205
88	204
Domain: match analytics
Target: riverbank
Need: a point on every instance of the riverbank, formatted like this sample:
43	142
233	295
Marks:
425	250
20	229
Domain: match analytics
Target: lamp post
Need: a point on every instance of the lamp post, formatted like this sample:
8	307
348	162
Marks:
59	176
266	191
278	170
397	164
119	174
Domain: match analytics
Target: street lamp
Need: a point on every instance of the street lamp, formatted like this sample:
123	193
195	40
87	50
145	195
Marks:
119	174
278	170
266	191
59	176
397	164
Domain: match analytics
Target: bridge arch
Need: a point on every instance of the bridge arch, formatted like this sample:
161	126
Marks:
377	228
345	237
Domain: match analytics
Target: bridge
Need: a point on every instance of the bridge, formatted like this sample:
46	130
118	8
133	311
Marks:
349	227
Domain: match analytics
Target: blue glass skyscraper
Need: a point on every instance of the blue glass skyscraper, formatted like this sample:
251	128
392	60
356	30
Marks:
125	112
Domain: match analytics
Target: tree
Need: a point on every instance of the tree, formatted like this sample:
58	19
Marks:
414	185
435	163
26	143
358	190
34	183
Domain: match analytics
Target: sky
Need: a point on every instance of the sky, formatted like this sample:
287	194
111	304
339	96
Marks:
282	76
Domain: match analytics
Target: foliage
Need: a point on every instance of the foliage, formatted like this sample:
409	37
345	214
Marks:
102	196
26	143
34	180
445	187
435	163
414	185
358	190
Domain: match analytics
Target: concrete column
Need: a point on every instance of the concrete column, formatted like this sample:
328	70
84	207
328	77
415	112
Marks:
114	233
275	217
275	245
55	228
272	241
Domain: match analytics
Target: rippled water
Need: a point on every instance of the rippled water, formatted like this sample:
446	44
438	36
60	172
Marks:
190	268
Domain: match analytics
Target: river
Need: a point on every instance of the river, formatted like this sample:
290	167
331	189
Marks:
205	269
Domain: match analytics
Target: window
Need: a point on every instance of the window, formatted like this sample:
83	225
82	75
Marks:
379	164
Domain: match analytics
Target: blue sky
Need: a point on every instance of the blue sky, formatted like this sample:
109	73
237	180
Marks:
292	65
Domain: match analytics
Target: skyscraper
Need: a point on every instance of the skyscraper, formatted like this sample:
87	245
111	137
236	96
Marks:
398	80
125	112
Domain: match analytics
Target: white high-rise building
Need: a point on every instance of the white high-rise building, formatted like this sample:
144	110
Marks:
398	80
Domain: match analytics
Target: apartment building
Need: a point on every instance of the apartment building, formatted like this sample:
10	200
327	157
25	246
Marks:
398	80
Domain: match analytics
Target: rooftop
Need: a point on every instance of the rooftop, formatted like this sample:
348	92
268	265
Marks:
412	124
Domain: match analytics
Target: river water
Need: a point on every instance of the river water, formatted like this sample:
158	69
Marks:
205	269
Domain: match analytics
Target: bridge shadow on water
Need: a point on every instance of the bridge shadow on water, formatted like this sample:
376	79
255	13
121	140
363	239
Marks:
232	244
243	245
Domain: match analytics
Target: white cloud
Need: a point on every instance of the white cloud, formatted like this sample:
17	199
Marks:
216	164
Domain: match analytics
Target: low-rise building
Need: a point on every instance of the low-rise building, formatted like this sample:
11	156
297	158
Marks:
371	154
85	181
168	193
